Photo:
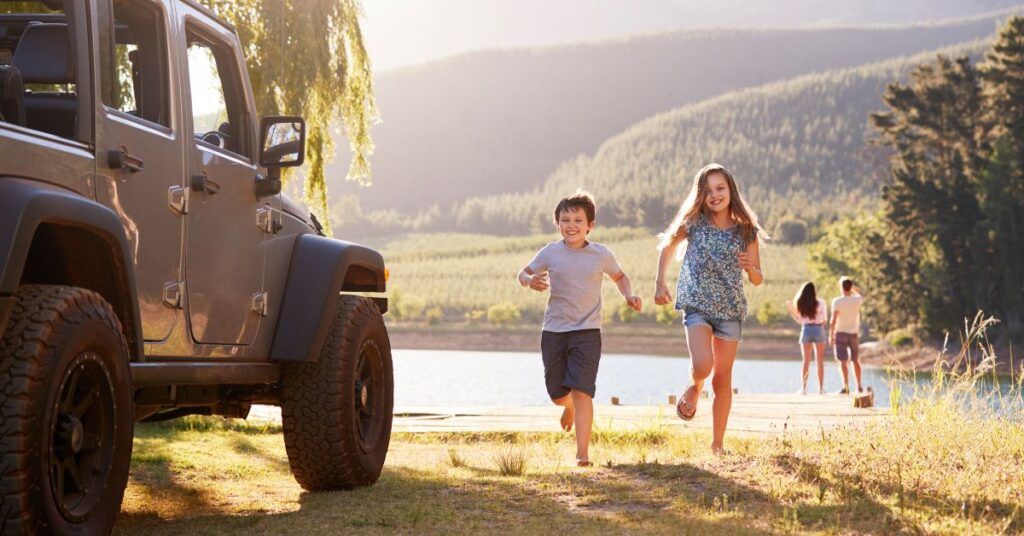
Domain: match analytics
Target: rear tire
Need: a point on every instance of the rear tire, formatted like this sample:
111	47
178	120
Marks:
66	414
336	413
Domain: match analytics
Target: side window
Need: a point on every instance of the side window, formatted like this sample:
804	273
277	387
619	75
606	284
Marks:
218	117
134	66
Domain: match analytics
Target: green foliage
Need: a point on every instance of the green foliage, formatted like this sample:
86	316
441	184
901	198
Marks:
434	315
792	231
769	314
307	58
666	314
466	274
954	208
411	307
626	314
899	338
503	314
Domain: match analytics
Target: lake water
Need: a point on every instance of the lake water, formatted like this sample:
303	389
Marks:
470	378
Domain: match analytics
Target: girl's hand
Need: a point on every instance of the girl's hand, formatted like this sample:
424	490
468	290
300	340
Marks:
746	263
662	294
539	282
634	302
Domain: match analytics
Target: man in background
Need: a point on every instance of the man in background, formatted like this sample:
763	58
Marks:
844	331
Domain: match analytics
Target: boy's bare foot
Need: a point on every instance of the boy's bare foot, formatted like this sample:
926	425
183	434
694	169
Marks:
568	414
718	450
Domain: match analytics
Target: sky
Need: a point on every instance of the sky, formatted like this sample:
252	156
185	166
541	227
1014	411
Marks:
405	32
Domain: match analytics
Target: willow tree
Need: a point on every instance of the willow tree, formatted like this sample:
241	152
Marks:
306	57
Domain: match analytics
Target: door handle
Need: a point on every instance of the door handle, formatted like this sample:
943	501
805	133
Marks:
120	159
202	183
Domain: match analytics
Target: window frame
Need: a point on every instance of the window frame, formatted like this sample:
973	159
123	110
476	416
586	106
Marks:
233	86
107	51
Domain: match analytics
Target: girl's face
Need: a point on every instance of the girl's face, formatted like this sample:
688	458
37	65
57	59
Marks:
716	197
573	225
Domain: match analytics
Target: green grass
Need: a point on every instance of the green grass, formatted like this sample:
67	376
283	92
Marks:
463	273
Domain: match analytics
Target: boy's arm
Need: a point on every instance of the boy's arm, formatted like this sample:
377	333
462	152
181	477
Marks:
832	325
625	287
528	278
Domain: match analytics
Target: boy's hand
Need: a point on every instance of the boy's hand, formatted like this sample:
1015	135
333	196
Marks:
539	282
634	302
662	294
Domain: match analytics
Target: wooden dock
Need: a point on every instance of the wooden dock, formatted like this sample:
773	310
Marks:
757	414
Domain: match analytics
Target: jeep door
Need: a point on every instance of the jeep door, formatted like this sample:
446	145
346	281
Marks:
224	255
140	171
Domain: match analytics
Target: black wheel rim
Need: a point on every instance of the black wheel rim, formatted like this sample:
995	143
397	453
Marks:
82	430
369	395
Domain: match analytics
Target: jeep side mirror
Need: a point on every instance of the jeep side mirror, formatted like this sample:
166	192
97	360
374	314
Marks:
282	144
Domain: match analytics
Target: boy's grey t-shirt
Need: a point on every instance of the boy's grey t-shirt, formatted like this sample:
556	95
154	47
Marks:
574	291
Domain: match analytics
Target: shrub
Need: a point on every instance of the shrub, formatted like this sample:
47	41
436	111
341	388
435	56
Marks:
503	314
792	231
666	314
511	460
626	314
769	313
899	338
434	315
476	315
411	308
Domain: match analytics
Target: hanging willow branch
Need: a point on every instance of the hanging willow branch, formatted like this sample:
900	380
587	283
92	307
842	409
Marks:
306	57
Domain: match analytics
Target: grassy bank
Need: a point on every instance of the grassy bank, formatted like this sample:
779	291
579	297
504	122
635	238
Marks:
929	469
454	276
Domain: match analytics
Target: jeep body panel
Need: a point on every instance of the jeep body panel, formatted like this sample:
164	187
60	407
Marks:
53	236
319	270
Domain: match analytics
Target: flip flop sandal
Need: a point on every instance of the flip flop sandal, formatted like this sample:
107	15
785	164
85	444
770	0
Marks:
690	409
581	463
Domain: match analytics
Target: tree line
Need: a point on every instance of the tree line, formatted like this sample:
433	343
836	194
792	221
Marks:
948	238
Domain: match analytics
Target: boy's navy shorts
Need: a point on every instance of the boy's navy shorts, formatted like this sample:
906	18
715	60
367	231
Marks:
570	361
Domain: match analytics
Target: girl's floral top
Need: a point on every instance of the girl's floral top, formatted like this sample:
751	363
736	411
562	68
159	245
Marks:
710	279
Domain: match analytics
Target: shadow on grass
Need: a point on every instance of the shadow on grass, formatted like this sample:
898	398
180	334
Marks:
667	499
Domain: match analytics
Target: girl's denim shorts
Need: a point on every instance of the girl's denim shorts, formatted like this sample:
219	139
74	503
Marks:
729	330
812	333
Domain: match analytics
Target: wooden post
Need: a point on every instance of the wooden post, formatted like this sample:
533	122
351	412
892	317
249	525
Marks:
865	399
615	401
671	400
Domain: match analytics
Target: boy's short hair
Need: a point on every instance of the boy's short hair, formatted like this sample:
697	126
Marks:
846	282
579	200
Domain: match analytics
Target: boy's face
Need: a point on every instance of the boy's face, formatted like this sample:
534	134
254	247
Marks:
573	224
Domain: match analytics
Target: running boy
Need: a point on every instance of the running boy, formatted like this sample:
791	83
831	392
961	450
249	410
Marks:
571	338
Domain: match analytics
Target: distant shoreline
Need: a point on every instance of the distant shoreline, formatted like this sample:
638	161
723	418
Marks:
776	344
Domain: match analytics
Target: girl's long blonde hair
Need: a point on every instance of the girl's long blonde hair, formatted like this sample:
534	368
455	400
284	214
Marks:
692	208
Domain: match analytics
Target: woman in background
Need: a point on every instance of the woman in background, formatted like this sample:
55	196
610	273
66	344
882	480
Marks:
810	312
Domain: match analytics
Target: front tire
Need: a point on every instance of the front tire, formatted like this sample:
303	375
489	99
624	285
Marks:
336	413
66	414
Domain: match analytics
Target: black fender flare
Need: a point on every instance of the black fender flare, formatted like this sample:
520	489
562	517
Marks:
25	205
317	273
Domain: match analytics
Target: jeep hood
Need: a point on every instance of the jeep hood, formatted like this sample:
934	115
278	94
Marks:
293	207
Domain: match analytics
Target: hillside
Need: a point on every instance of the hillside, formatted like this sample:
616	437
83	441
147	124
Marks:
797	147
503	120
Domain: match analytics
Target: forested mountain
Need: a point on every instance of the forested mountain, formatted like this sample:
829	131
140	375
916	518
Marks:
503	120
797	148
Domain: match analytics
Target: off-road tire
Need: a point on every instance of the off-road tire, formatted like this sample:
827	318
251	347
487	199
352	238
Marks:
66	413
337	427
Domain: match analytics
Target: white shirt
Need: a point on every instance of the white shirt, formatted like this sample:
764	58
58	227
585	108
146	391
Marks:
848	308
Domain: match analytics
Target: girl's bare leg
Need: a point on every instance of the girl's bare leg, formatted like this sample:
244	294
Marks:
819	354
805	350
698	341
724	355
584	420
